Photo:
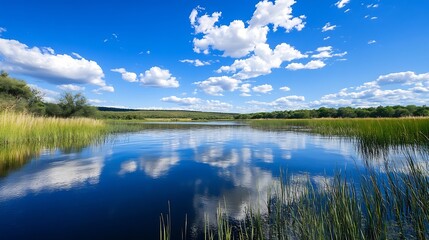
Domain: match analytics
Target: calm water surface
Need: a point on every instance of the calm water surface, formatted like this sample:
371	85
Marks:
118	189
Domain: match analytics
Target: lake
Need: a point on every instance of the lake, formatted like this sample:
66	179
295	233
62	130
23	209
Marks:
118	189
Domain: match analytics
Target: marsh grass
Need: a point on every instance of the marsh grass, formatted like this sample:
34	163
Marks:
373	136
24	136
22	128
380	131
387	201
386	206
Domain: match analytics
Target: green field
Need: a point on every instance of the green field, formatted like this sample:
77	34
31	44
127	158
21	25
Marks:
166	115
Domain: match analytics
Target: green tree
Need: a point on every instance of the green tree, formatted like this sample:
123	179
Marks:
14	87
327	112
346	112
18	96
402	112
362	112
421	111
52	110
75	106
3	74
300	114
385	111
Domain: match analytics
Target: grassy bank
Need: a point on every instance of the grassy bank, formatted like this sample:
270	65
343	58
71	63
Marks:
21	128
107	113
24	136
371	134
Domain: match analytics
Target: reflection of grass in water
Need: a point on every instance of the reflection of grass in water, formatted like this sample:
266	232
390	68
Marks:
15	156
389	202
24	136
373	136
121	126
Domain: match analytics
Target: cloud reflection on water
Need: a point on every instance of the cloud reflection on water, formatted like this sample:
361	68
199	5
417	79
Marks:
156	167
58	175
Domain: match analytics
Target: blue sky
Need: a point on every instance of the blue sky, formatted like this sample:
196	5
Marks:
231	56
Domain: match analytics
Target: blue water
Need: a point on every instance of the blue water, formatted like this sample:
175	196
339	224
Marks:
118	189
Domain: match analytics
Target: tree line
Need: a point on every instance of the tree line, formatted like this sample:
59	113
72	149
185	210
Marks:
343	112
16	95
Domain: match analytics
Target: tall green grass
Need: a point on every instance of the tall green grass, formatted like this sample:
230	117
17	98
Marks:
380	131
386	202
22	128
373	136
24	136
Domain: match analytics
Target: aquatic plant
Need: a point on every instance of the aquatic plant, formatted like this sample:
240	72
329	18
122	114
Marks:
22	128
24	136
387	201
372	136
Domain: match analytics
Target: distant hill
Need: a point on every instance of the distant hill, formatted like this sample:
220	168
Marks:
129	114
112	109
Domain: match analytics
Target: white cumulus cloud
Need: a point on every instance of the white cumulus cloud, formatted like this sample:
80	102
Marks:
44	64
103	89
197	104
71	87
313	64
401	88
407	78
279	14
342	3
327	52
285	89
217	85
127	76
158	77
196	62
289	102
245	90
265	88
236	39
96	101
398	88
181	101
263	61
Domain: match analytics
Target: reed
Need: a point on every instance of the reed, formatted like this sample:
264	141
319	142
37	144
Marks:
372	136
22	128
24	136
387	201
377	130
